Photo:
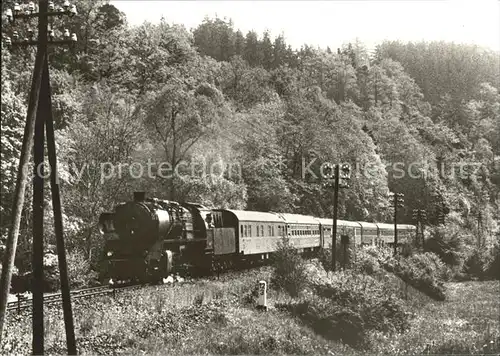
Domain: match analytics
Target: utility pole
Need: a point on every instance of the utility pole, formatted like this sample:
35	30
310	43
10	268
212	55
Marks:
341	177
39	117
397	201
335	209
479	228
420	216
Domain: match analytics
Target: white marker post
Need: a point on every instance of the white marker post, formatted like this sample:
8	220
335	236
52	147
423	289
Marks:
262	301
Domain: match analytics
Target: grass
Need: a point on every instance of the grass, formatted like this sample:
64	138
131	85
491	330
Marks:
467	323
219	317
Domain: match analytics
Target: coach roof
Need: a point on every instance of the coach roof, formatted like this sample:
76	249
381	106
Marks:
257	216
299	219
329	222
367	225
386	226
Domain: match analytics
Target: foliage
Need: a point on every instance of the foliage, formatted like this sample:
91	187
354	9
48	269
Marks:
13	115
289	268
426	272
423	271
477	263
80	273
367	262
325	257
349	307
165	319
494	267
449	244
405	119
370	259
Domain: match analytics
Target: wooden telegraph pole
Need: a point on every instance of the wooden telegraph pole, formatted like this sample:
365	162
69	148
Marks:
420	216
341	177
39	117
397	200
335	209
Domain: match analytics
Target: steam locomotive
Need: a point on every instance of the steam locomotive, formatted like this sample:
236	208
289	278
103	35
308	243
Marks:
149	239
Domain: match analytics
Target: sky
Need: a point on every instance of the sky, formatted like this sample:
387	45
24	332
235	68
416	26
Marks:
333	23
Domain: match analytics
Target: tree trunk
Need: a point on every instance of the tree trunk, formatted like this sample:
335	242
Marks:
174	158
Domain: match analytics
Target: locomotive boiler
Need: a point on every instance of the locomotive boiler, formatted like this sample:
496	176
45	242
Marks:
150	238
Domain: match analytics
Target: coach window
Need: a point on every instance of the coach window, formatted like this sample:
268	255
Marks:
241	230
246	231
272	230
257	231
249	230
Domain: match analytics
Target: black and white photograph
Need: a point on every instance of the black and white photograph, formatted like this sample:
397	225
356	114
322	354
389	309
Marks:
240	177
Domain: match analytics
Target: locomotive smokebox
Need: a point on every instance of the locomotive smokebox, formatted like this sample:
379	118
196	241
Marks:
139	196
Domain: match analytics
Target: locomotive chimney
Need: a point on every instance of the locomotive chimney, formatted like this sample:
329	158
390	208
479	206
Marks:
139	196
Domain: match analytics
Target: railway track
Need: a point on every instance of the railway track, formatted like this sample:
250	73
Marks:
23	303
53	298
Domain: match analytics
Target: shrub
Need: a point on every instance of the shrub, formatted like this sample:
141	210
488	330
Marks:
80	273
290	272
325	257
448	245
477	263
348	306
366	262
370	259
425	272
494	267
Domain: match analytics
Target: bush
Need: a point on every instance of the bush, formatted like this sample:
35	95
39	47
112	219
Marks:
366	263
348	306
80	273
494	267
290	272
426	272
477	263
22	282
370	259
325	257
449	246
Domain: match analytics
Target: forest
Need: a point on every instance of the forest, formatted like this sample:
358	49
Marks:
246	121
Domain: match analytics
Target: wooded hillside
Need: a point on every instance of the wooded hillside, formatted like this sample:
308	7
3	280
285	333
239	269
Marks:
160	93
